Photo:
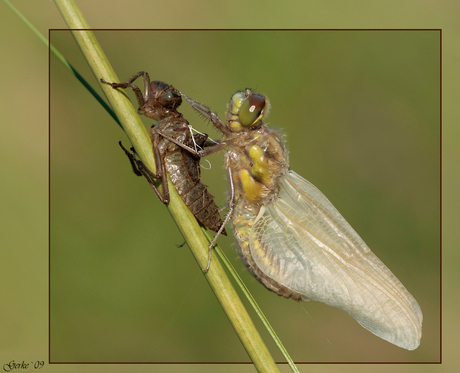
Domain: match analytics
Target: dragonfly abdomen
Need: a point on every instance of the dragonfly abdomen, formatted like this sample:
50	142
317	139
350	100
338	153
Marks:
242	225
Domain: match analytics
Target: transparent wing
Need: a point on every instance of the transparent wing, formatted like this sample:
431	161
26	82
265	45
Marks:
302	241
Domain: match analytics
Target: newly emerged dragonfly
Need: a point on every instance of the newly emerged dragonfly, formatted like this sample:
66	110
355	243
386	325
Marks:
159	101
293	240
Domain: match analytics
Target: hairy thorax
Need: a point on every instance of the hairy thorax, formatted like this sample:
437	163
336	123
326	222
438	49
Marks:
256	161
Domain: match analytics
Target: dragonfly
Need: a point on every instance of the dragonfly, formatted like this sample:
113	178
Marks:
159	101
292	239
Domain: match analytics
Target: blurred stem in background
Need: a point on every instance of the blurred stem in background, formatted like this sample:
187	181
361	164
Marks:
126	116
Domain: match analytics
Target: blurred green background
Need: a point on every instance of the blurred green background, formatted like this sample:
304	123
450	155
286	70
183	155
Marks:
360	110
361	115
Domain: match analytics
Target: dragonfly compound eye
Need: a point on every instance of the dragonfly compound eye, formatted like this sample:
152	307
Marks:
251	110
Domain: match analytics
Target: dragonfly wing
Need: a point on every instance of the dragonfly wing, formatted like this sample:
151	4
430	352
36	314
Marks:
302	241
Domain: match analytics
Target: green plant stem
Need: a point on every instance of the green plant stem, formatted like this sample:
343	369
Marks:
219	252
184	219
256	307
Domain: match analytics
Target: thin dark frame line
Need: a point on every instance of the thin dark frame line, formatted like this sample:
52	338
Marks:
233	363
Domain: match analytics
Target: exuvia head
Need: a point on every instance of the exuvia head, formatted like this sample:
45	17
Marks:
162	101
164	95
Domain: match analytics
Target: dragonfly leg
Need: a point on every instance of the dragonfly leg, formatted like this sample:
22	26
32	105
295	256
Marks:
225	207
213	117
210	143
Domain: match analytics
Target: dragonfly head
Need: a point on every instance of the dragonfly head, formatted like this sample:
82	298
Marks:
246	110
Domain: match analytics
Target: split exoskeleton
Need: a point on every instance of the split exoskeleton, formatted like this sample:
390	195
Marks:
159	101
